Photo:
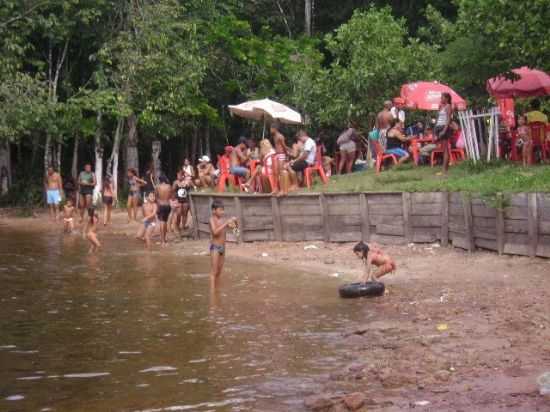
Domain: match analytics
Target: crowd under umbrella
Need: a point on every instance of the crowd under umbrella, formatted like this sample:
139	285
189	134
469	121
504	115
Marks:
266	110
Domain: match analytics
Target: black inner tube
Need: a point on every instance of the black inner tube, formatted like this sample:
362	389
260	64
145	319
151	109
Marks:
360	289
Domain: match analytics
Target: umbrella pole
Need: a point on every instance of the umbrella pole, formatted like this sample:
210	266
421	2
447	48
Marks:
263	130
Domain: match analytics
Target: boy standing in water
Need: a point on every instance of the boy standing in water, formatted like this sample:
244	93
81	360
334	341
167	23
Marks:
217	243
68	218
373	255
164	194
150	210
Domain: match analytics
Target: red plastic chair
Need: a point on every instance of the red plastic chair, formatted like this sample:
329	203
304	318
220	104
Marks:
224	164
317	167
439	151
269	170
538	137
381	157
456	154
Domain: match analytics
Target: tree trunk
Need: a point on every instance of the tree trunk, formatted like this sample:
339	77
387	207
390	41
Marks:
194	139
157	169
308	16
207	141
47	154
112	164
98	159
58	157
132	160
74	166
5	167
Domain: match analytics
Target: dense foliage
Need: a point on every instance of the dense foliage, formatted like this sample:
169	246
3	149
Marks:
75	74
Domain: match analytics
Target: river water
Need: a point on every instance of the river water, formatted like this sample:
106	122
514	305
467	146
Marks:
132	331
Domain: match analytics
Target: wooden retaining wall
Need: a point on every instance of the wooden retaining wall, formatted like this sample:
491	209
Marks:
519	226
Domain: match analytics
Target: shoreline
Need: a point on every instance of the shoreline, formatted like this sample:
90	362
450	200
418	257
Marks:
455	330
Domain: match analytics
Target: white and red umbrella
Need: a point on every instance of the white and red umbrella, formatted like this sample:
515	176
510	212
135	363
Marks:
266	109
530	83
427	96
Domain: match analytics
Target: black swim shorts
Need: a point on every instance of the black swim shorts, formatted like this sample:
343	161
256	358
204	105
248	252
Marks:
164	212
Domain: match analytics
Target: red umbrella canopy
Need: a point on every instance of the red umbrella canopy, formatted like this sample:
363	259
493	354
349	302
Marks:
531	83
427	96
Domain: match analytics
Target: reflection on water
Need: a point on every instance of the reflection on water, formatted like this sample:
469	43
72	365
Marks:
128	330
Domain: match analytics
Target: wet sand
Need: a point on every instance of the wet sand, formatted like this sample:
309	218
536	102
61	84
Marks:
454	332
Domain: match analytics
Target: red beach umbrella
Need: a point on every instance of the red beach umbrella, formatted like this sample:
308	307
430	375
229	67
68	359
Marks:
531	83
427	96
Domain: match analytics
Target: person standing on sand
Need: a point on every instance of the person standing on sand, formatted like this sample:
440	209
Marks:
54	189
86	184
218	230
134	183
164	194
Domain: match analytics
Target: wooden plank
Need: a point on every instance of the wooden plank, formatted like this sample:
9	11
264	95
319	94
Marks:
484	222
343	209
455	198
516	249
500	224
195	218
425	235
425	221
517	199
304	210
483	211
486	243
516	226
242	226
259	235
426	209
456	209
375	219
277	225
258	223
393	230
365	222
457	228
426	197
461	242
444	220
340	220
485	233
467	206
324	213
385	199
303	221
347	236
533	223
388	240
544	228
515	212
385	209
406	199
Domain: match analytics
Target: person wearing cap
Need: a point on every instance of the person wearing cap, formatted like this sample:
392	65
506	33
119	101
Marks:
206	172
239	158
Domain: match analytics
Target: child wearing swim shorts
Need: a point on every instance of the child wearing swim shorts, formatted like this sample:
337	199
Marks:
68	216
218	229
373	255
150	209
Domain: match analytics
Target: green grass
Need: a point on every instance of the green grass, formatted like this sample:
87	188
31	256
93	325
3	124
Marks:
482	178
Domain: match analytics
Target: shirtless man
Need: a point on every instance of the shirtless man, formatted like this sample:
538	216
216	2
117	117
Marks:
373	255
86	184
54	188
164	194
383	120
205	171
218	229
239	158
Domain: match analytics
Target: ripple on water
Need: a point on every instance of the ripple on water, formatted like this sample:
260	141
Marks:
14	397
86	375
159	369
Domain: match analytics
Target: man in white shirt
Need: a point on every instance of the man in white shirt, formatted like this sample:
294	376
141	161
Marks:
307	157
397	111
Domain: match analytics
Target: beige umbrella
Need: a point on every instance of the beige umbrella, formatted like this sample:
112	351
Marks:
264	109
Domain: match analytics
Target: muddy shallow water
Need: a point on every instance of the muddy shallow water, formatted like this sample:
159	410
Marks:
128	330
